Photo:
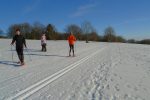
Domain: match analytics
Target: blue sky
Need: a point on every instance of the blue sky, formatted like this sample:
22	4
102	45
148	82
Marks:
129	18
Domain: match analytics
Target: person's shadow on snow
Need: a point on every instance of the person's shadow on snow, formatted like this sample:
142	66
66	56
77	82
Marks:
46	55
32	50
10	63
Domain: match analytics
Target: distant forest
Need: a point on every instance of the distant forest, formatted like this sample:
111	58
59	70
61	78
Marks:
84	32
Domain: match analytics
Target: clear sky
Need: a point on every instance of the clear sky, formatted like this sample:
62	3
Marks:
129	18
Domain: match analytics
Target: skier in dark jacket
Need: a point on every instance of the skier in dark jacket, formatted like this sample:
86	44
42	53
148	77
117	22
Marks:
20	41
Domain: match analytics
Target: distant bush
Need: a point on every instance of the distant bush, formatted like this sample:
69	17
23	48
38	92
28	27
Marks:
131	41
120	39
145	41
3	37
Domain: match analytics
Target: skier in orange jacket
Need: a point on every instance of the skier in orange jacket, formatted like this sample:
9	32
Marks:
71	41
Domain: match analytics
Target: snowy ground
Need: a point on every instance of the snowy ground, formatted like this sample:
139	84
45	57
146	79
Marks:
100	71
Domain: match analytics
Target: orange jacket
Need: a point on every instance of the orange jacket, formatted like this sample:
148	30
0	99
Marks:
71	39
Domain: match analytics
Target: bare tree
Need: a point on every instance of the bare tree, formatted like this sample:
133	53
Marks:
87	28
75	29
37	30
12	29
26	30
109	34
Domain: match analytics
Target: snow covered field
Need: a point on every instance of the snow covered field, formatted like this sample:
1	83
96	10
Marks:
100	71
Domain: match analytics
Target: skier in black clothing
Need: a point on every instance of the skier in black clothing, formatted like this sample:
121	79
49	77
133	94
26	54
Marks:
20	41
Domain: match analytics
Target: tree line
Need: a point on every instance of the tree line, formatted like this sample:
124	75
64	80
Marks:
85	32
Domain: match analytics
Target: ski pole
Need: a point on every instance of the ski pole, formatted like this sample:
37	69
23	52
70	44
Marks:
12	53
75	47
69	50
28	54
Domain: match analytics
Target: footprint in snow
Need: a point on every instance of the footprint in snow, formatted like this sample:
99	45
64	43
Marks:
108	87
115	74
117	87
135	89
128	86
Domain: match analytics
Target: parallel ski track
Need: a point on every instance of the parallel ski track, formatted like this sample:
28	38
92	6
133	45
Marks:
41	84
